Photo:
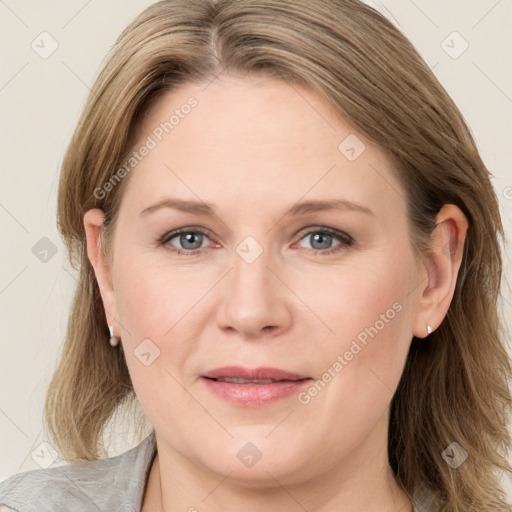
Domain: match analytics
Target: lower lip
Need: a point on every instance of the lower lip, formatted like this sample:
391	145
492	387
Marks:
255	395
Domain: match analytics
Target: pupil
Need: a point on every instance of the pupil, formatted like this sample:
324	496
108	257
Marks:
326	238
189	238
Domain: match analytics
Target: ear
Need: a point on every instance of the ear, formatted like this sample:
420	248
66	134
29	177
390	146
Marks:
93	223
442	266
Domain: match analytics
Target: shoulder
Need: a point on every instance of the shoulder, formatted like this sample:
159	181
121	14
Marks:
116	483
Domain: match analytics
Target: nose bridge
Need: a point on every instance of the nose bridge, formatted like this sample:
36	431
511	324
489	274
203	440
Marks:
254	298
251	263
251	277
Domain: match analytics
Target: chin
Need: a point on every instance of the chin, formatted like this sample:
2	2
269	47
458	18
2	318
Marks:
259	461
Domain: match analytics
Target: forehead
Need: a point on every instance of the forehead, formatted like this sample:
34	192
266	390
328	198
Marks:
255	139
250	112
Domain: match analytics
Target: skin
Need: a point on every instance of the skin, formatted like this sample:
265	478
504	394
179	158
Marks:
254	147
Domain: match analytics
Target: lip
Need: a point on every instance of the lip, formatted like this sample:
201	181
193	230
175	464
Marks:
254	394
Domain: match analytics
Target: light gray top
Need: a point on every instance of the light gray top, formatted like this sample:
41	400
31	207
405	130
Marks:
113	484
116	483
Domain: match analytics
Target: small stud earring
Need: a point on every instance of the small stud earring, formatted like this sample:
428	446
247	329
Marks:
114	340
429	329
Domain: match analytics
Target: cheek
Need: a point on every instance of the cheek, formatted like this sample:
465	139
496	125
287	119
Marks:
152	299
369	313
359	367
161	315
367	300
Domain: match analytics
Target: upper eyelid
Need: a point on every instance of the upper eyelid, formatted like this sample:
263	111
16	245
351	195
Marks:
325	229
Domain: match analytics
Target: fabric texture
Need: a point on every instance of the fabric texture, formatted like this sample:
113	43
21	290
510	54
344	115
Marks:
113	484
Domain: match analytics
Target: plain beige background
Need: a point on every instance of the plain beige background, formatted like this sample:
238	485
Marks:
41	96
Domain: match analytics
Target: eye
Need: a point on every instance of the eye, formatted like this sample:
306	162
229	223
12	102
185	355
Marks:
190	239
322	238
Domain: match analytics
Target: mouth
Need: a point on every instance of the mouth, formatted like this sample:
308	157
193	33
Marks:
238	380
256	374
253	387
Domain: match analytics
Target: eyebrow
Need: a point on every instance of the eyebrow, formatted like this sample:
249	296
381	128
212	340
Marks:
208	210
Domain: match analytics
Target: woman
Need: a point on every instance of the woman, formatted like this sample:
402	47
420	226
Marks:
363	371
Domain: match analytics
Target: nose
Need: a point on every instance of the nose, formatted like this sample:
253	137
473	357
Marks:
256	302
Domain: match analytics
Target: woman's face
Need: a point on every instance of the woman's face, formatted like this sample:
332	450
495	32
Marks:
329	295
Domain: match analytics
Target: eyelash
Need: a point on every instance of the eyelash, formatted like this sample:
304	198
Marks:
345	239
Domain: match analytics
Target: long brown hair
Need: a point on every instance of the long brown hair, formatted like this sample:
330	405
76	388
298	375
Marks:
455	385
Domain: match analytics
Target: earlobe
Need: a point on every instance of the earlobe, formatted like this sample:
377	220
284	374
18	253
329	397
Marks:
93	224
442	264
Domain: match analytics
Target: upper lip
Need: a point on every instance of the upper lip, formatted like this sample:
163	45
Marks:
252	374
